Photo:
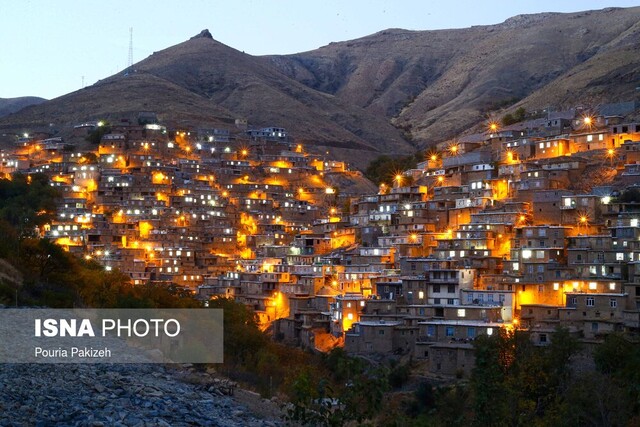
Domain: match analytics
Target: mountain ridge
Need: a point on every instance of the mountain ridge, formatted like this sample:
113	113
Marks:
390	92
12	105
446	82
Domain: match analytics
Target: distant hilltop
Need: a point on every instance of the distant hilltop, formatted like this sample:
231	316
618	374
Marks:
11	105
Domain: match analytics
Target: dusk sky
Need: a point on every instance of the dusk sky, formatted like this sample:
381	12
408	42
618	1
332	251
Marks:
49	46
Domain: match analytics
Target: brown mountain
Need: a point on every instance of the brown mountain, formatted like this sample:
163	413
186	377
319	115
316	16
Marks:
359	98
202	81
439	83
11	105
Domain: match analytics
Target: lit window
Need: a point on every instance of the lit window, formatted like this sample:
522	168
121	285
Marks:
462	312
593	286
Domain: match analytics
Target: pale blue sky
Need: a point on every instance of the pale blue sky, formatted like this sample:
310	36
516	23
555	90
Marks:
47	46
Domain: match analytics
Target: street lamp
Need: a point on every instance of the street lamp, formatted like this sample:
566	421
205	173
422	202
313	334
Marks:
588	122
611	153
509	156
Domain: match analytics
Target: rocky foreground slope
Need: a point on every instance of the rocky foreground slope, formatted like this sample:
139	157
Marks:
118	395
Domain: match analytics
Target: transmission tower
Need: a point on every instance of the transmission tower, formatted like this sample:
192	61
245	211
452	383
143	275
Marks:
130	60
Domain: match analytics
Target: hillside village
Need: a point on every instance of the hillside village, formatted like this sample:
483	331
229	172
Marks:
533	225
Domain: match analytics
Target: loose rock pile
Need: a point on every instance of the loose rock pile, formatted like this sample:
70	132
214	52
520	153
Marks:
117	395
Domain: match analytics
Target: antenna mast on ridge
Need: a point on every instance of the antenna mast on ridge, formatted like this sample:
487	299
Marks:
130	60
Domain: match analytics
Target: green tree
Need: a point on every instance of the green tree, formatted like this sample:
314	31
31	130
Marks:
530	381
43	259
95	136
619	358
242	336
517	116
453	406
592	399
508	119
91	158
312	402
27	202
488	379
520	114
384	168
399	374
